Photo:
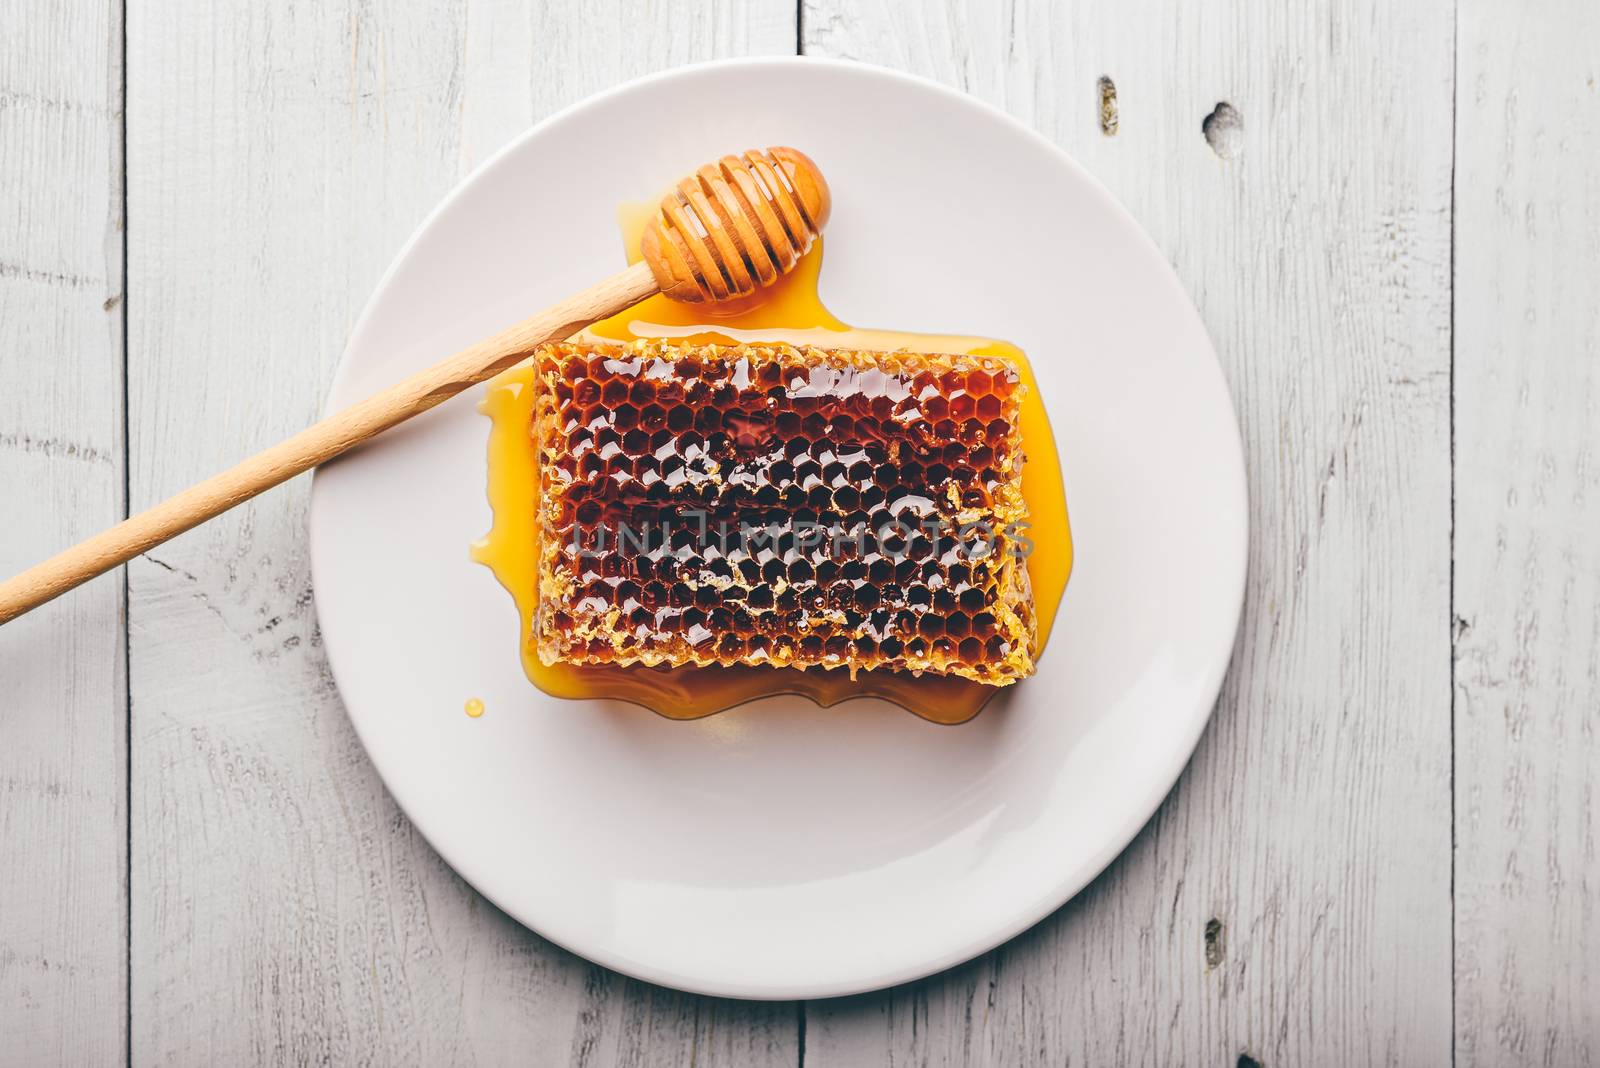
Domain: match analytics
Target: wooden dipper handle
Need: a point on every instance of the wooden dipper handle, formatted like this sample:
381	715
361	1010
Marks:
737	224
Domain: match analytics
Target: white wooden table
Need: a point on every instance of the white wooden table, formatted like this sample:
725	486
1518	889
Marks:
1385	849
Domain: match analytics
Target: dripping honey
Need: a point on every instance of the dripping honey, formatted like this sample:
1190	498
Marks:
789	311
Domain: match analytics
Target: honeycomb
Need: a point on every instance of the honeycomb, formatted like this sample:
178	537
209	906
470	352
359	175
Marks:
772	505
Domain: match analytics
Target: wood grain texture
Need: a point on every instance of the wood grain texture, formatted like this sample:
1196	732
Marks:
1527	542
1290	903
283	909
63	701
1291	900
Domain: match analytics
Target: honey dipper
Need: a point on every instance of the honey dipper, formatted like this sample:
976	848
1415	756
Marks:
733	226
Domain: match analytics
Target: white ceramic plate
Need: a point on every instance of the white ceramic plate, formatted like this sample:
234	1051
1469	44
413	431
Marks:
781	850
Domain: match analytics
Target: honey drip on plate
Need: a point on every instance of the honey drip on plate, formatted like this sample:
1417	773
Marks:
789	311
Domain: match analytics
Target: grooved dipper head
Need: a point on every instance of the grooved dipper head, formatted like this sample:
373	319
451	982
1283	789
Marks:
736	225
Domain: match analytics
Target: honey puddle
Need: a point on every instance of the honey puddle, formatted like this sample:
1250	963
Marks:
789	311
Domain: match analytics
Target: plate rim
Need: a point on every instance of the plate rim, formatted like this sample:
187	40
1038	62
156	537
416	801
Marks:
1232	483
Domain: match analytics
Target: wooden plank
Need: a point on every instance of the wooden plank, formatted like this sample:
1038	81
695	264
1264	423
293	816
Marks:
63	697
1290	903
283	908
1527	554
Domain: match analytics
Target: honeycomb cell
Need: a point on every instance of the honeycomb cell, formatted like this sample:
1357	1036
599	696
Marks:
780	506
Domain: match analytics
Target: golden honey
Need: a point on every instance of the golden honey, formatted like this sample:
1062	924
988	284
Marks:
788	312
